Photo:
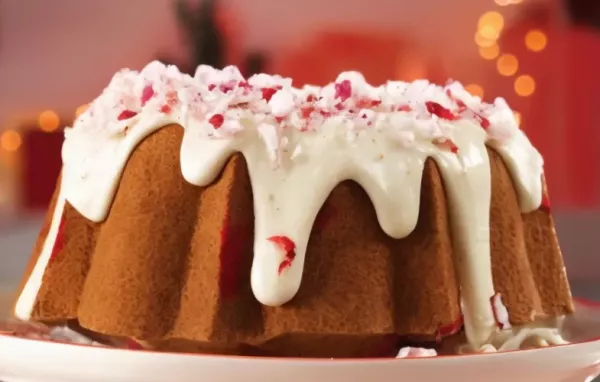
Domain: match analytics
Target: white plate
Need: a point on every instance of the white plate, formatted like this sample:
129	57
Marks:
23	360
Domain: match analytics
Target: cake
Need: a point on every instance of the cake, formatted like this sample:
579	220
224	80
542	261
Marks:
215	214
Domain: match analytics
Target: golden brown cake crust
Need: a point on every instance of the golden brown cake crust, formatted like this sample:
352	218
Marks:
510	265
171	266
546	261
58	300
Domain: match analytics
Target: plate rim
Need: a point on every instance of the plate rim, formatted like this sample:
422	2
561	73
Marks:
583	302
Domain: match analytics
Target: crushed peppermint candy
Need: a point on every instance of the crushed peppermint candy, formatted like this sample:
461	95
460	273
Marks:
282	103
500	312
545	205
411	352
289	249
221	100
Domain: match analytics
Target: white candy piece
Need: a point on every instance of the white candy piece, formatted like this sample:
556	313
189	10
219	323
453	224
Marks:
410	352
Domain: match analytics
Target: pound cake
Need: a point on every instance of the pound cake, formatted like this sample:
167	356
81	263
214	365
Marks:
218	214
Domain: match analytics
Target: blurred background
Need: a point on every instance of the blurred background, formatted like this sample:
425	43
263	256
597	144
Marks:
541	55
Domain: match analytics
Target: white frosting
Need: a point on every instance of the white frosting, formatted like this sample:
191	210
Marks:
26	300
537	334
299	144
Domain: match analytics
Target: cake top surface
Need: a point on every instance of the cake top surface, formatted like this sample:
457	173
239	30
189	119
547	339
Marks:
224	103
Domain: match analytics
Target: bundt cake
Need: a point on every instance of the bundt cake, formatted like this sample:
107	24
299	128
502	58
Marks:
216	214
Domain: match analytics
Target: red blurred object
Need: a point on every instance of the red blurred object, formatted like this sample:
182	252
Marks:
582	122
41	156
560	116
380	57
229	24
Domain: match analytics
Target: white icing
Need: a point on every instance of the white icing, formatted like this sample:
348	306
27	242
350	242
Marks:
515	340
26	300
536	334
298	149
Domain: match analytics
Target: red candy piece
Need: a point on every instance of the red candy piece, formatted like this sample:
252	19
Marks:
437	109
267	93
461	105
283	265
171	99
227	87
132	345
59	241
402	108
126	114
217	120
289	247
306	111
484	122
449	329
343	90
365	103
446	144
545	205
284	242
147	93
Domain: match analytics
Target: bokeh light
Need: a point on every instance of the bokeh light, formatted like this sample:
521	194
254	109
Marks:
489	33
10	140
507	64
475	90
483	42
524	85
81	109
518	117
489	52
491	21
536	40
48	121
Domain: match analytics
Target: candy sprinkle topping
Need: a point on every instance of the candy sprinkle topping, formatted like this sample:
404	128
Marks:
224	99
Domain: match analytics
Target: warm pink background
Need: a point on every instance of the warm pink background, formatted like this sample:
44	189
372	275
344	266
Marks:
58	54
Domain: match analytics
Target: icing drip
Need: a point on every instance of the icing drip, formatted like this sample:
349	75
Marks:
538	334
26	300
379	137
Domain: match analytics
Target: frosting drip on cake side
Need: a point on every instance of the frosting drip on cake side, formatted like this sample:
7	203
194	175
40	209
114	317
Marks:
299	144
